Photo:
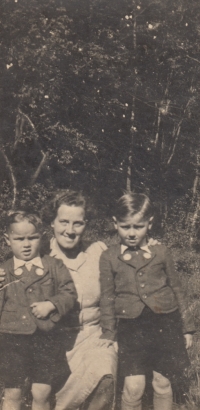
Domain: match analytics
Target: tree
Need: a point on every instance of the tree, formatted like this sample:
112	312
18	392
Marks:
100	95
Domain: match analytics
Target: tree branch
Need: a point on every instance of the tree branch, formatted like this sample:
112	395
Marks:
44	155
158	127
12	176
163	107
38	170
28	119
176	133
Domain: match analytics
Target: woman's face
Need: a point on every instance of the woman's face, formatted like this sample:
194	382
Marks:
69	225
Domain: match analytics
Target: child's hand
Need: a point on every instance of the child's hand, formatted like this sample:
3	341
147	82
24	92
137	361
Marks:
42	309
2	277
188	340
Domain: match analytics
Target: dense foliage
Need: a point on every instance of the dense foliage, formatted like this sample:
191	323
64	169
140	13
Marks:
103	96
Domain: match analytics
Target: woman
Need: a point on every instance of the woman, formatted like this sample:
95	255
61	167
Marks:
93	361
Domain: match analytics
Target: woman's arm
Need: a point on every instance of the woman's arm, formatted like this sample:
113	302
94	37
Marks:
107	298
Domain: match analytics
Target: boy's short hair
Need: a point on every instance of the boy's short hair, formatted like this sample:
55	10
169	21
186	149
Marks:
131	204
15	216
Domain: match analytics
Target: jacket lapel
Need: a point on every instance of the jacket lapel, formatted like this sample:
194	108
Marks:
142	261
132	261
137	261
32	277
29	278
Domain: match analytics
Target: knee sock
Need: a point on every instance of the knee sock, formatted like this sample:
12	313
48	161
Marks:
162	401
134	405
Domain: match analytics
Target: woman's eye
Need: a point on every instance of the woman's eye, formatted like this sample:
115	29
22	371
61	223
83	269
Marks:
78	224
63	222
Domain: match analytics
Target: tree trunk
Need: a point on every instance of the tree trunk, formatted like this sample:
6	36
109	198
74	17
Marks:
38	170
176	132
132	129
192	217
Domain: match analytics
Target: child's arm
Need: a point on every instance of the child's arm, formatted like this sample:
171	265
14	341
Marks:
65	296
175	284
107	300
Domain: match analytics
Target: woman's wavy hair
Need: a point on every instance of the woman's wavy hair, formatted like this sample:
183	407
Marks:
67	197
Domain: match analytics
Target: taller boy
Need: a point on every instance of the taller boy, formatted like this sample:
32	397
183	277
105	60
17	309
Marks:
141	289
38	292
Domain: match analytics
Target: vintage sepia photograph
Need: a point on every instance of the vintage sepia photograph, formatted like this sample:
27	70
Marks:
100	205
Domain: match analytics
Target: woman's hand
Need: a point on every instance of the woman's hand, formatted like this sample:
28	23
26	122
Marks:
153	242
2	277
188	340
107	343
115	344
42	309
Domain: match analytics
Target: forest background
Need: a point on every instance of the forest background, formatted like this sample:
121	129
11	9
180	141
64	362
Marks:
104	96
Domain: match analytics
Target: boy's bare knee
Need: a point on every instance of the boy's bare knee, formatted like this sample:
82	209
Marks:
161	384
40	392
12	394
133	388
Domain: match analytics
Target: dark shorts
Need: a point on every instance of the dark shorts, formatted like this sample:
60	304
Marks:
41	357
153	342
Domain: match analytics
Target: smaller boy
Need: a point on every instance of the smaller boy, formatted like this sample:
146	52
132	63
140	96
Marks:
38	292
143	302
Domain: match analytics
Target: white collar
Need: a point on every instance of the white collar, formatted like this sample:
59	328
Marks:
37	261
144	248
72	264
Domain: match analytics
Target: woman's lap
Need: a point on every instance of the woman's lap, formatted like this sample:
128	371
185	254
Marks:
89	362
91	350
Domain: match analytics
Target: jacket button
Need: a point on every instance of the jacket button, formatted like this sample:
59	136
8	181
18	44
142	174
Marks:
140	273
30	290
142	285
23	317
144	296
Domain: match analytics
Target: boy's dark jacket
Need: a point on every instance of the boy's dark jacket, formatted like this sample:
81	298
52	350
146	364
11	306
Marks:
19	292
128	285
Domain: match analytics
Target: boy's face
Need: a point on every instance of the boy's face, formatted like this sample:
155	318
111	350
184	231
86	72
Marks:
133	230
24	240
